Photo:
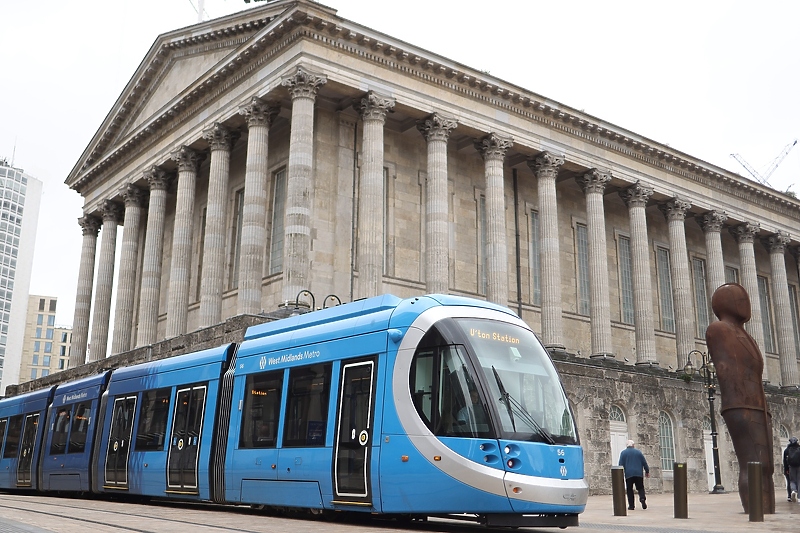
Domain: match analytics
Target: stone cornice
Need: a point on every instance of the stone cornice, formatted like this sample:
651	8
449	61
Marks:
302	19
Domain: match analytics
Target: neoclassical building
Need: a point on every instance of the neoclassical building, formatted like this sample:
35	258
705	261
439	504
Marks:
283	149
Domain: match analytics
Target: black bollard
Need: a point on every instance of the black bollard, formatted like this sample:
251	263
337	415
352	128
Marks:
618	491
680	490
754	492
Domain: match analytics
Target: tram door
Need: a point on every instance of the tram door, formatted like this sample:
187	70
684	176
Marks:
119	442
354	433
26	450
184	444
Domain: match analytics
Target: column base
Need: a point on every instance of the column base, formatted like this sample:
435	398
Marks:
718	489
602	355
556	348
647	363
787	388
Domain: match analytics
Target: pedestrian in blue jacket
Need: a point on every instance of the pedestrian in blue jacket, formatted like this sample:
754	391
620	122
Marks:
633	461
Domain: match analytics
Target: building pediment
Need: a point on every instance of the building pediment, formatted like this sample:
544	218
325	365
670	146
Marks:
179	68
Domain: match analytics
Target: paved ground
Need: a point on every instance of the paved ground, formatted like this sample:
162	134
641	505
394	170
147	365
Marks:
38	514
710	513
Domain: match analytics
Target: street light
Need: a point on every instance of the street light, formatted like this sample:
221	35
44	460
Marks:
709	374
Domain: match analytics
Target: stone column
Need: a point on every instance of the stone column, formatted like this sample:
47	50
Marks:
221	141
776	244
745	234
675	212
90	225
126	282
98	345
594	184
636	197
180	263
303	87
371	204
436	130
711	223
493	149
149	294
545	166
259	115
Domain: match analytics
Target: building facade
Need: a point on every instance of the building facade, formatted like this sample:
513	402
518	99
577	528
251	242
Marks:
284	149
45	349
19	215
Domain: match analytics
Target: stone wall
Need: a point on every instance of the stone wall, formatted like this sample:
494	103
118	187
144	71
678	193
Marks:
643	392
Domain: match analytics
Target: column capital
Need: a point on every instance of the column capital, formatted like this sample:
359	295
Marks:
220	137
712	220
777	242
436	127
373	106
636	195
90	224
304	84
133	195
746	232
112	211
259	112
157	178
493	146
545	164
188	159
594	181
675	209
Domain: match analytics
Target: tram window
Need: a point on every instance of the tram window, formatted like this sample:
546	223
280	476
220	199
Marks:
3	424
80	426
262	407
150	435
58	444
12	439
444	391
307	405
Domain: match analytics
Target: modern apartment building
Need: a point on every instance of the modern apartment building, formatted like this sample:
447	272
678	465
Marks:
20	196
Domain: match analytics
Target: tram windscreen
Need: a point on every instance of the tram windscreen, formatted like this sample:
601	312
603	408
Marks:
522	381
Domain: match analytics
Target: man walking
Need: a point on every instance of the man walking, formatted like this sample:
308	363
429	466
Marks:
791	466
633	461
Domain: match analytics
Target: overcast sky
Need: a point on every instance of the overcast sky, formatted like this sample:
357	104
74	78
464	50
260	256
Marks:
709	78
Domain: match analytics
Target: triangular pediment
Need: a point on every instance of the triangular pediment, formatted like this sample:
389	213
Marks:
178	73
174	66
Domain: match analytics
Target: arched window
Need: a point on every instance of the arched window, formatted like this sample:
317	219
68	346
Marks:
615	414
707	424
667	441
784	433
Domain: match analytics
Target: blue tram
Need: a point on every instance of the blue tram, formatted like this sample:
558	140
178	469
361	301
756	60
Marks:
429	406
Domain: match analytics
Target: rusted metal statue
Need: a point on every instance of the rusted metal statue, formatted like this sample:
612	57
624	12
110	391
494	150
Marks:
740	365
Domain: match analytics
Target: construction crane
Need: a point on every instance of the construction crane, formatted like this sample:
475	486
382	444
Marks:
764	179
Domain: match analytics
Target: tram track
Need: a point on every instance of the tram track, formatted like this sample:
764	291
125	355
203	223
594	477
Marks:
167	516
105	517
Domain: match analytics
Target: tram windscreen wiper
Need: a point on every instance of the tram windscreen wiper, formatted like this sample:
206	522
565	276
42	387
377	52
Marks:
504	397
514	406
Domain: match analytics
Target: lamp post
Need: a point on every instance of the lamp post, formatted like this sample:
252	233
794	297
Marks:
709	375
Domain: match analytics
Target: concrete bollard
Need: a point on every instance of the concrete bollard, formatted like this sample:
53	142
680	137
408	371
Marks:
618	491
754	492
681	490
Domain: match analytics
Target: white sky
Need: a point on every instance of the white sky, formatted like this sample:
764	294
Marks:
709	78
